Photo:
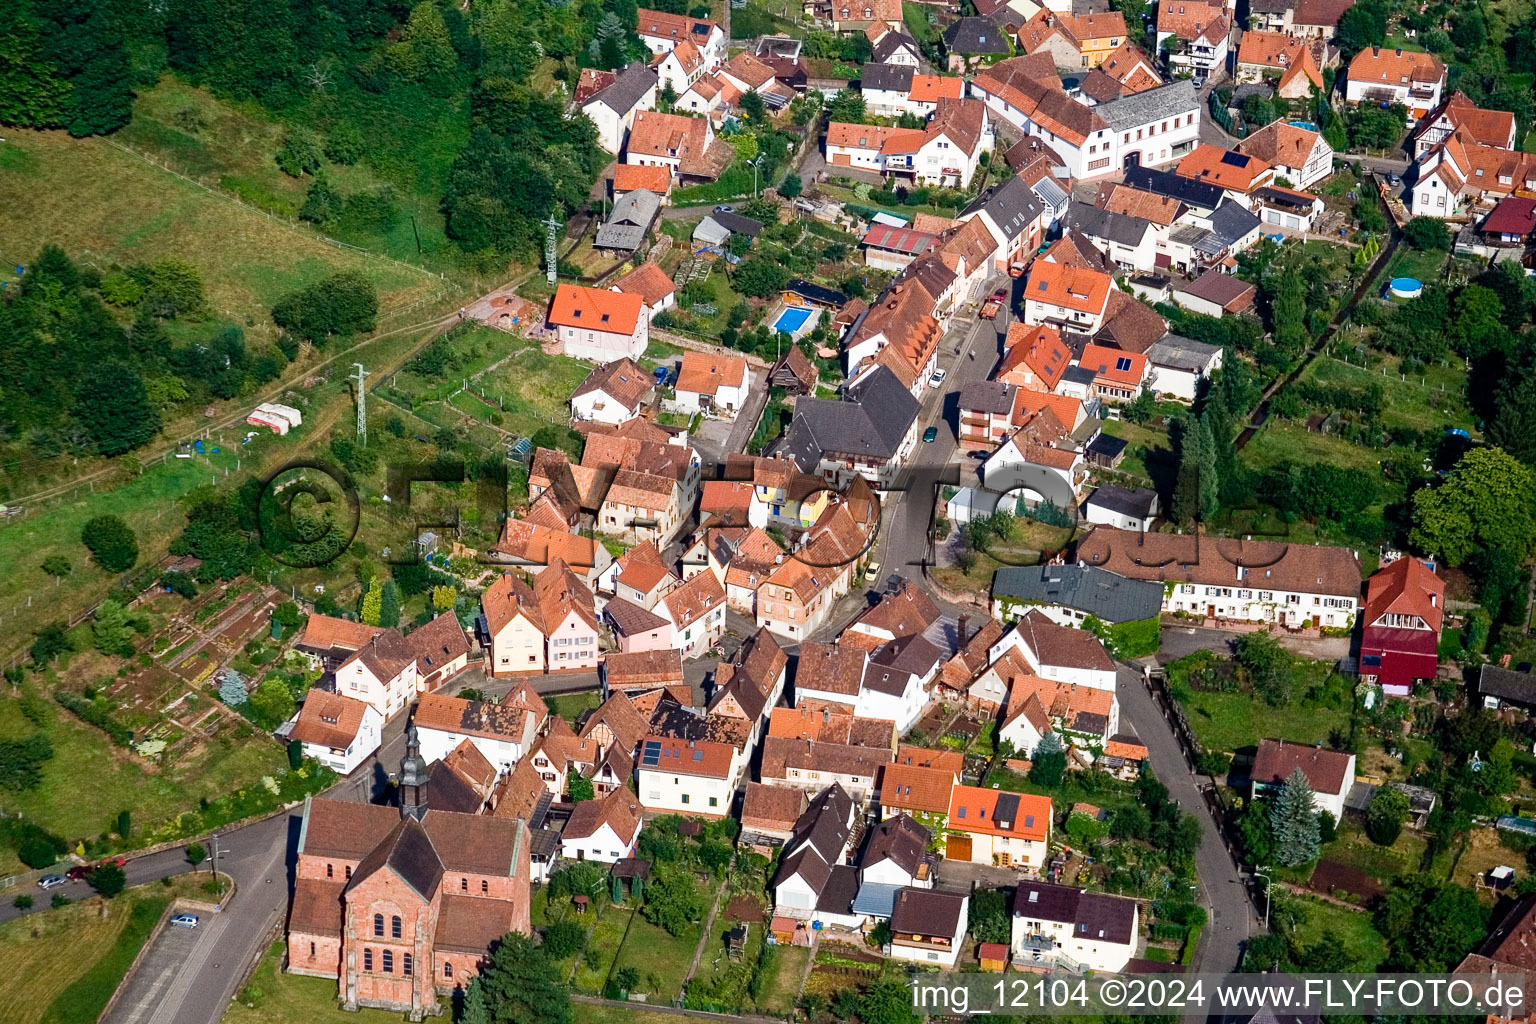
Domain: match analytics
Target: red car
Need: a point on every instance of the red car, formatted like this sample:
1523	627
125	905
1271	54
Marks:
77	872
994	305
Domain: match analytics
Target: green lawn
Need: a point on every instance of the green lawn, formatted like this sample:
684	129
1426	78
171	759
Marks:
273	997
1366	948
661	958
62	965
1288	441
603	944
1233	721
1427	400
781	988
88	780
1354	848
1411	262
570	706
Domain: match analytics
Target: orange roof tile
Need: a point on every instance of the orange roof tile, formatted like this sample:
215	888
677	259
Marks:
1071	287
1225	169
648	281
1395	67
595	309
628	177
932	88
1037	347
1114	365
909	787
973	809
704	373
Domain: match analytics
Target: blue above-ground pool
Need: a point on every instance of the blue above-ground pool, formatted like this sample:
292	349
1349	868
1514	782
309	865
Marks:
1406	287
1307	125
792	319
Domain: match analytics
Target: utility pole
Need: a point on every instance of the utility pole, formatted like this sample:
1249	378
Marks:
362	405
551	235
1267	882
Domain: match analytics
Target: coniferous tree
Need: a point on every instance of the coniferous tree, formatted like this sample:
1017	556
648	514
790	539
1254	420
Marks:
373	602
521	987
389	604
1293	818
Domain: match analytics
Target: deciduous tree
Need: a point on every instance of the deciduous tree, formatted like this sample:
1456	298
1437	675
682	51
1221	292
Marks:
1485	502
111	543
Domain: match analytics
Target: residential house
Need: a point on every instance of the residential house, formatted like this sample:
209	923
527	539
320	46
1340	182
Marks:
1460	174
1058	652
514	626
1215	294
1014	216
895	858
530	545
628	222
1300	156
503	733
1512	222
640	576
972	40
685	144
569	614
599	325
382	672
917	791
442	651
1179	365
1067	298
1288	209
604	830
1492	128
929	926
949	149
1127	508
402	906
1069	594
1117	374
1292	62
986	413
680	67
697	613
813	764
1318	19
1331	773
1064	926
769	813
894	46
1406	77
989	826
1238	174
628	177
1231	229
750	74
892	248
830	677
801	591
612	393
613	108
905	610
816	721
1229	578
1400	637
1034	357
749	685
651	283
338	731
654	486
870	432
859	15
1200	32
1131	68
896	678
812	865
1080	716
715	384
1130	242
692	777
643	672
661	32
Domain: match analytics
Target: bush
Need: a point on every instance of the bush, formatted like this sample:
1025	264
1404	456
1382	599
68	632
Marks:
563	938
95	713
1426	233
344	303
111	542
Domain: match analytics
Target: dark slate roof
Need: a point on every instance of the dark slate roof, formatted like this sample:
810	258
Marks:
1181	353
628	87
824	823
991	396
450	792
1139	108
900	840
1085	588
1116	227
872	419
543	843
1200	194
1128	501
975	35
1011	206
889	44
815	292
894	77
838	893
409	853
1515	687
1107	447
912	653
1093	916
927	912
1230	222
737	224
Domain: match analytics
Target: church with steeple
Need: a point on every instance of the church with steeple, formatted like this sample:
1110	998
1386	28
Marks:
401	905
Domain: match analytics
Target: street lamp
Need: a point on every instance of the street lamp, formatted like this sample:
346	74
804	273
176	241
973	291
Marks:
1267	881
215	862
754	162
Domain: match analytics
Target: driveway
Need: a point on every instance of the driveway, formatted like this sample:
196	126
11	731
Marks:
962	876
174	961
1178	641
1221	888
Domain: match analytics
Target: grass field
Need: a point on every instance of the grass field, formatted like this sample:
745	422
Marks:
1286	441
1411	262
66	972
571	705
290	999
661	958
779	992
106	206
1367	949
1406	403
88	780
603	945
1354	848
1232	721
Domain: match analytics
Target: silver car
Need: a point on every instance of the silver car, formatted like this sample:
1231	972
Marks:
184	921
51	881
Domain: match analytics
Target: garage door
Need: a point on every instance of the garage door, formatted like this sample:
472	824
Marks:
958	848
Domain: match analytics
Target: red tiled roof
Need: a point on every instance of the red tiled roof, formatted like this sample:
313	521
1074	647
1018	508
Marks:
595	309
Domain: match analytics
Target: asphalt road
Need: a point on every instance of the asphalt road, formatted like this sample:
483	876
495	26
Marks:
1221	891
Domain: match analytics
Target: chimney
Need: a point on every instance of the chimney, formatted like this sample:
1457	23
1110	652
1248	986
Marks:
960	632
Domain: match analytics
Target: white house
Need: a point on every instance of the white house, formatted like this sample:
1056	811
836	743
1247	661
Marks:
1236	579
1134	508
1083	716
339	732
599	325
1380	75
896	678
661	32
990	826
1066	297
503	734
697	613
709	383
383	672
612	393
1300	156
813	854
604	830
1179	365
1058	652
682	66
613	108
1071	927
1331	773
692	777
1201	33
928	926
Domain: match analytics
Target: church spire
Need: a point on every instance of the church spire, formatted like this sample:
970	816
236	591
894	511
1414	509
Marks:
413	779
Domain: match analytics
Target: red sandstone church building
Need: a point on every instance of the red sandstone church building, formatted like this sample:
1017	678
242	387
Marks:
401	906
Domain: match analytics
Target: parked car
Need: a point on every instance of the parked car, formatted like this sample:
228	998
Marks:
931	435
872	571
51	881
78	872
994	305
937	379
184	921
725	208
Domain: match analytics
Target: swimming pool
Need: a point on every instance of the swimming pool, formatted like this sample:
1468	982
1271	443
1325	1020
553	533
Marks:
792	319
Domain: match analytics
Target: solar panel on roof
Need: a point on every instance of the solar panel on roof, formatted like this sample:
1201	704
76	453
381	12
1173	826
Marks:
652	753
1123	363
1234	159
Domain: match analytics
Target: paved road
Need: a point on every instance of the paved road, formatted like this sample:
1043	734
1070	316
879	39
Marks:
1232	919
